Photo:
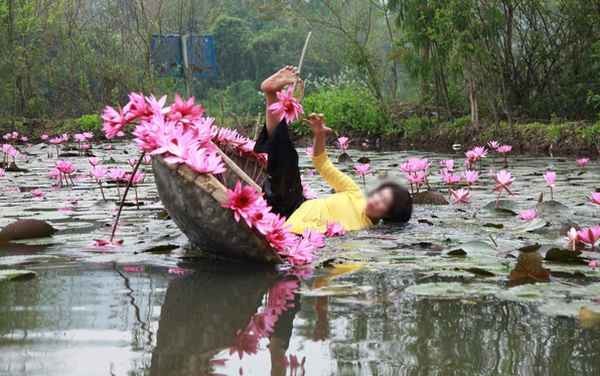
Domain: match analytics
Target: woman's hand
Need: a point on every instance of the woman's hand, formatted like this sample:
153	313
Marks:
317	124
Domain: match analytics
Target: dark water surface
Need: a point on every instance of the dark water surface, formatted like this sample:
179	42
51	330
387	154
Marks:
400	306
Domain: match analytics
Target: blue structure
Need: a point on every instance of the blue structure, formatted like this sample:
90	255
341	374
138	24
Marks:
168	56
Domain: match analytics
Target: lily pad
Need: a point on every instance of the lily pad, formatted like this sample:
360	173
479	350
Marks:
570	309
429	198
531	226
342	289
564	255
474	248
15	274
452	290
26	229
502	206
551	208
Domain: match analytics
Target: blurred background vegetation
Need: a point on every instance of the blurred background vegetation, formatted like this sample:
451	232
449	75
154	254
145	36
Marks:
406	68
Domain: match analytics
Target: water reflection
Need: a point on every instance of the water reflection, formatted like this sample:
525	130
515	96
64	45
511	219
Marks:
214	316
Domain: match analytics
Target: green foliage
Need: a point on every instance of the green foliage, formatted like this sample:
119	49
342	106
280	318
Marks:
90	123
350	109
416	127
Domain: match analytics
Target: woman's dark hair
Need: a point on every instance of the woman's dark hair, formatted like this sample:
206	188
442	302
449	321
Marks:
402	205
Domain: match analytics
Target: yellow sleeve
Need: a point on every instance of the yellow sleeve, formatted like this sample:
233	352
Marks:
339	181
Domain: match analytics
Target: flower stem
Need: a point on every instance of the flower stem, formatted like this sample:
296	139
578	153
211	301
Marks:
137	165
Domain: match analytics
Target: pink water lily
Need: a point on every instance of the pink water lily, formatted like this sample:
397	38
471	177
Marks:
178	271
474	155
286	107
94	161
334	229
460	196
572	238
307	191
185	111
493	144
309	152
300	251
550	177
44	137
362	169
504	180
595	198
205	162
447	164
133	269
589	235
528	215
98	172
113	122
38	193
471	176
504	149
279	235
594	264
117	174
2	172
316	238
582	162
449	178
343	143
241	201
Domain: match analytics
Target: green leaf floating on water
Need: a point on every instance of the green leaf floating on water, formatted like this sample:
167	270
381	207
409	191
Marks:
14	274
531	226
453	290
341	289
552	208
503	206
568	309
474	248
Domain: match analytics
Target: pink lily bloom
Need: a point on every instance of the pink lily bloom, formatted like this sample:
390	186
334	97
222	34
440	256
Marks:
94	161
117	174
316	238
157	106
2	172
132	162
504	180
147	159
362	169
589	235
44	137
593	264
205	162
138	178
413	165
65	167
138	108
309	152
595	198
300	252
343	143
461	196
471	176
279	236
504	149
447	164
572	238
287	107
113	122
334	229
582	162
528	215
493	144
241	201
98	172
38	193
550	177
185	111
449	178
307	191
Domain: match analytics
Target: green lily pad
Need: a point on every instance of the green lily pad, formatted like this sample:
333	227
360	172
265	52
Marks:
15	274
568	309
474	248
552	208
452	290
502	206
531	226
341	289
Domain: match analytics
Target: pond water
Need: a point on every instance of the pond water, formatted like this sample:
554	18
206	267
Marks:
437	297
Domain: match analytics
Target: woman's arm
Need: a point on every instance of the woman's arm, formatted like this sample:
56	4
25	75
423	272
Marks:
339	181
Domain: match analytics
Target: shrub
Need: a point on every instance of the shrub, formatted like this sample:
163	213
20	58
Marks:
347	109
90	123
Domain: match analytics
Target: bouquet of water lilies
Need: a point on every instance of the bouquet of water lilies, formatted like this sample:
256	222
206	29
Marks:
182	134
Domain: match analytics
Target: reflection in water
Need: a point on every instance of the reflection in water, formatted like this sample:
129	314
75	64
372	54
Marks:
232	309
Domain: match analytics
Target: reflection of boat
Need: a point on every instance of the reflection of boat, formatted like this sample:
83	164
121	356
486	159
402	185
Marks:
204	313
194	201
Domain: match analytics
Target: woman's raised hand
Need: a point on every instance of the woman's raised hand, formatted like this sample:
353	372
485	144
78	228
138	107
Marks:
317	124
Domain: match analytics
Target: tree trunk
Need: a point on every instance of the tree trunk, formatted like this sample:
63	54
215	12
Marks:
473	102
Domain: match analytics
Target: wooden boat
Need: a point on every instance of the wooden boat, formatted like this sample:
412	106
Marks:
194	202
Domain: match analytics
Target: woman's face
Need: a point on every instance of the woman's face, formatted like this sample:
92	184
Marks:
379	203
